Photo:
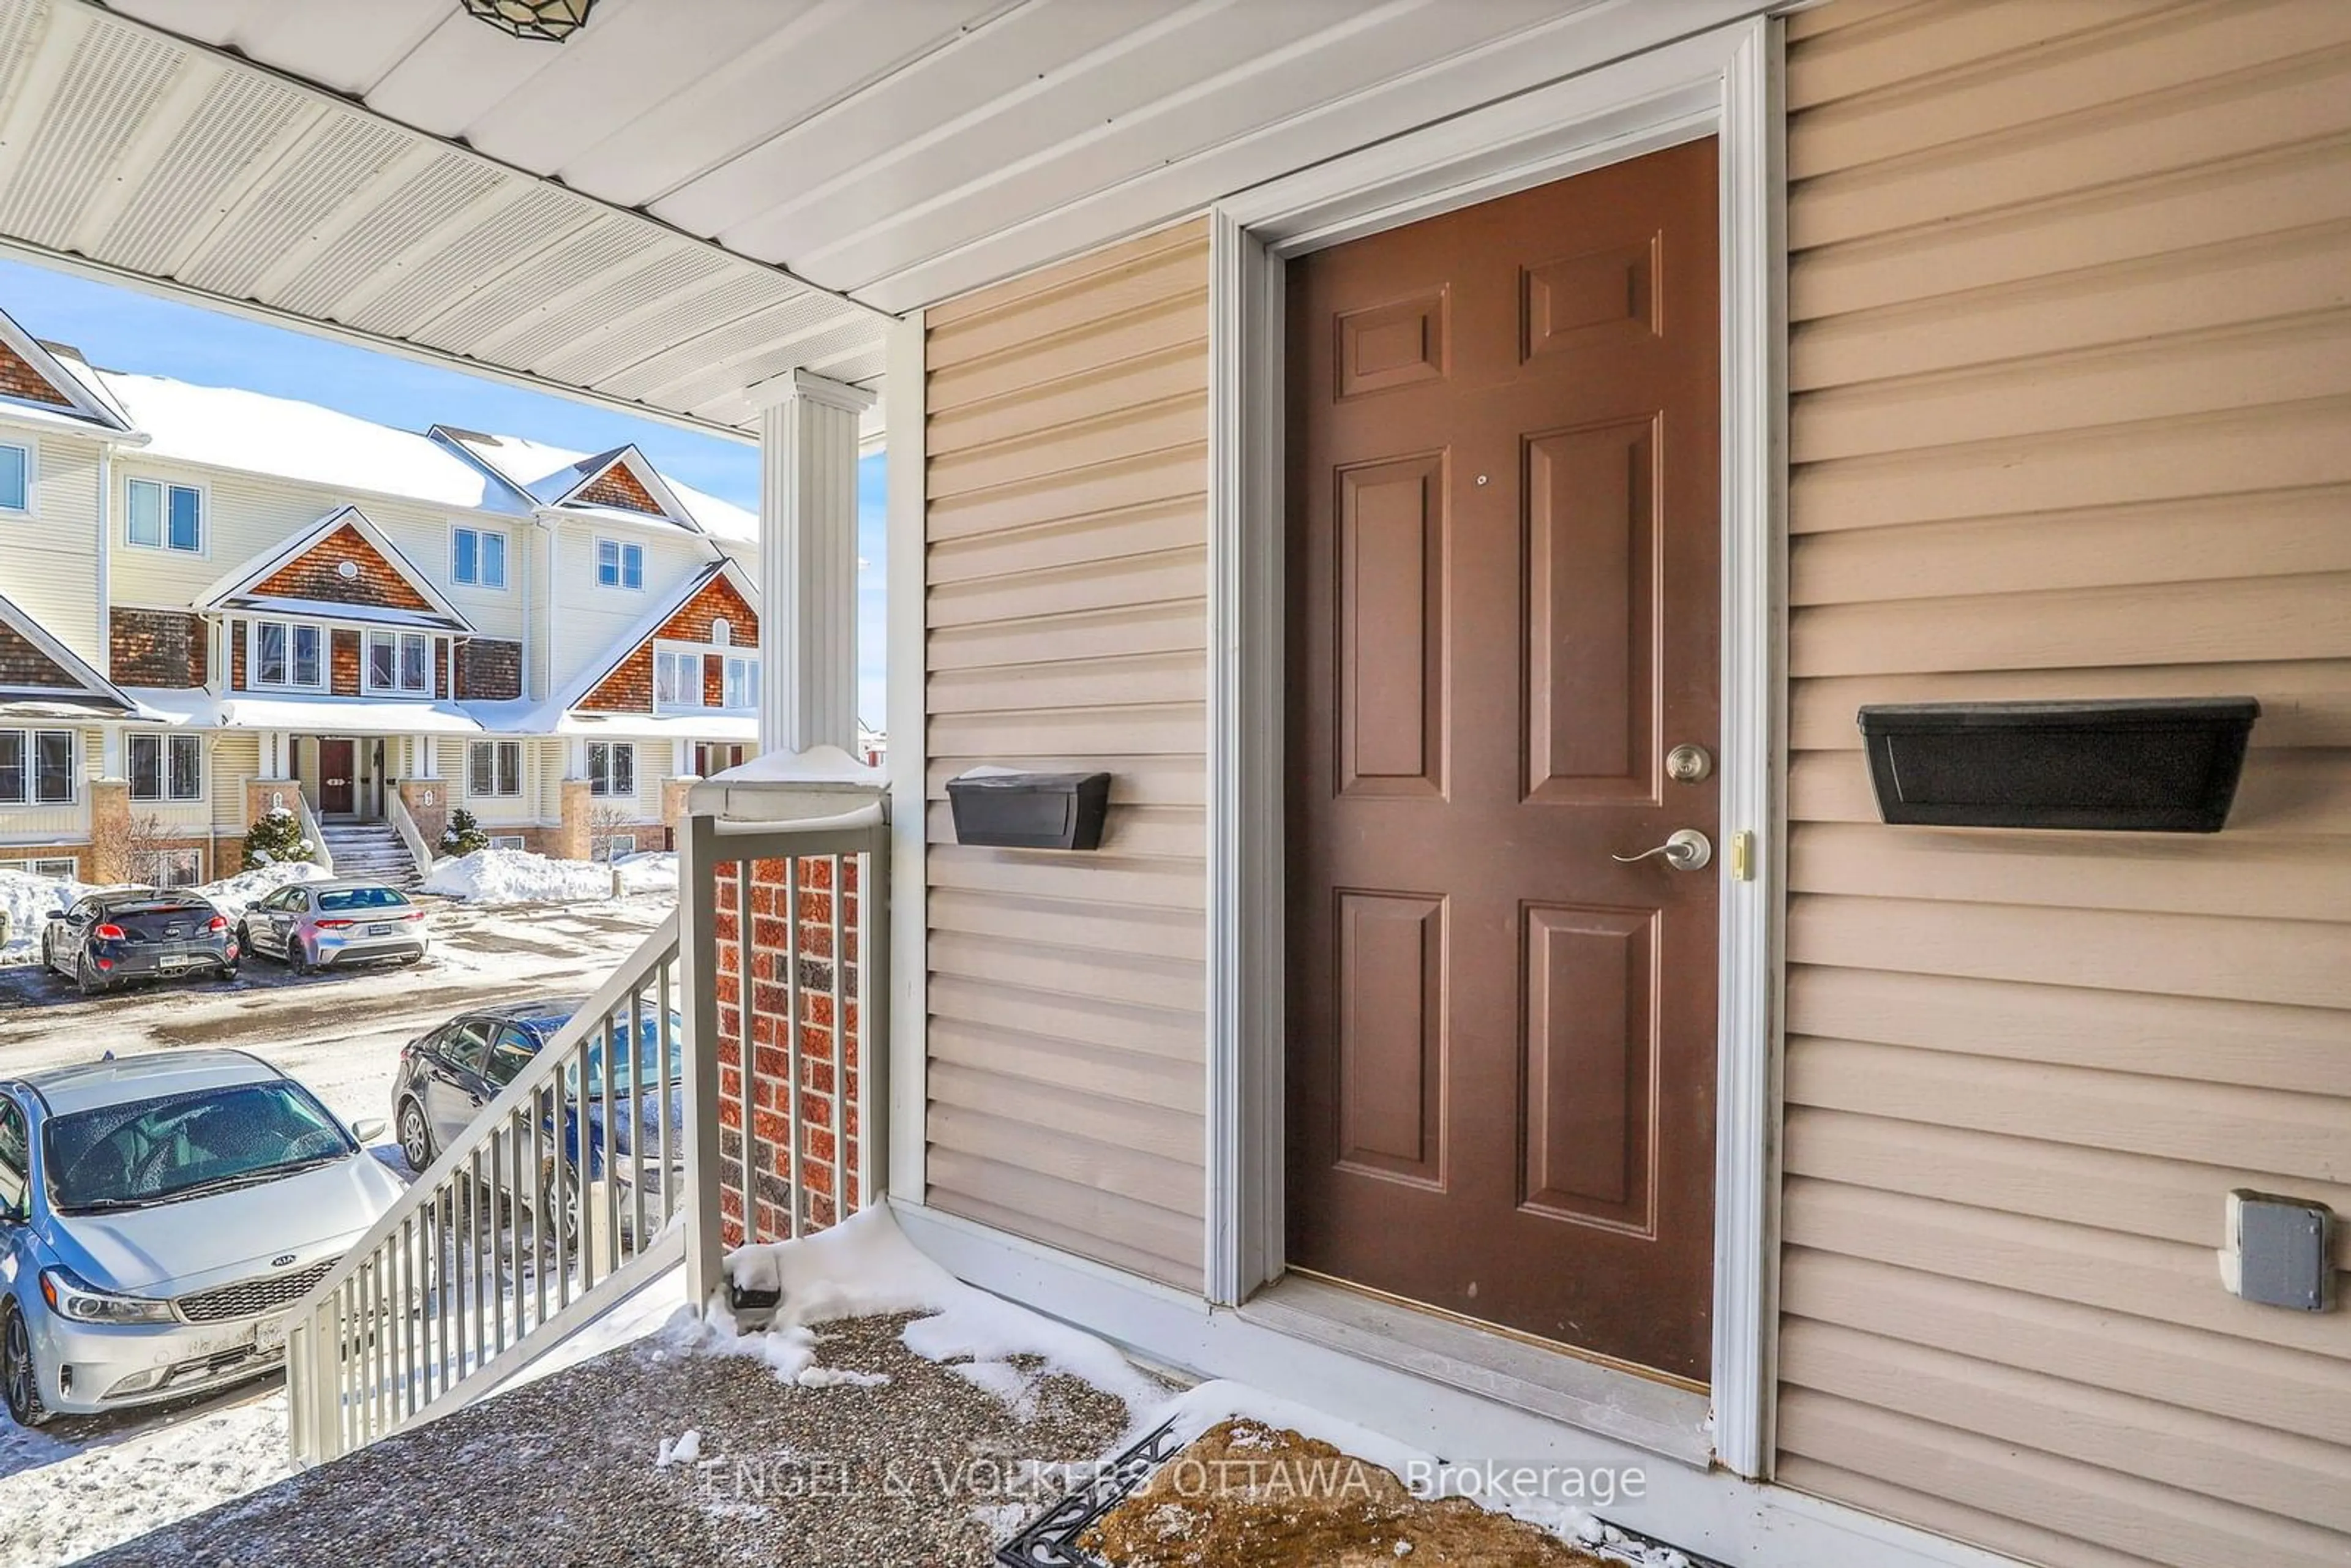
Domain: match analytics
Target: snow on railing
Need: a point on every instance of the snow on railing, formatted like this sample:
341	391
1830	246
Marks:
312	834
730	1039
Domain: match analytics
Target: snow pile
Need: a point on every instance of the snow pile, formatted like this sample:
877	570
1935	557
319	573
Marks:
865	1267
518	876
682	1450
29	899
231	895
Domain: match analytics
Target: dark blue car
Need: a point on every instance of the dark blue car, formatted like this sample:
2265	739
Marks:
449	1073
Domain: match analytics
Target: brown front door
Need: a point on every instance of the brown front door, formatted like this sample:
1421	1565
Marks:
338	760
1504	581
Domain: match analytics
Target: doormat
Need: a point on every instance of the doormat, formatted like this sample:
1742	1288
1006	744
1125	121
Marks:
1301	1504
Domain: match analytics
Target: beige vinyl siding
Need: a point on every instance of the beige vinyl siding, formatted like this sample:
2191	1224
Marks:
496	812
236	761
48	560
591	620
2071	367
246	513
1067	576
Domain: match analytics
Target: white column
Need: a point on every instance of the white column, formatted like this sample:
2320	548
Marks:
808	560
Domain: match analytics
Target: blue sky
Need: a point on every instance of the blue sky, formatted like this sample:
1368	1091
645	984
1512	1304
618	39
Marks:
125	329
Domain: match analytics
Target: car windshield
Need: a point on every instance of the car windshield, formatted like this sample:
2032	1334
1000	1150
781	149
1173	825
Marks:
177	1146
362	898
647	1053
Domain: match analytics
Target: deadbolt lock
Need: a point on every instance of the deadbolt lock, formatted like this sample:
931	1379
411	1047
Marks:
1688	764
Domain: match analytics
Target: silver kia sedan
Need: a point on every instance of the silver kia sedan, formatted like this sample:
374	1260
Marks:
332	924
158	1215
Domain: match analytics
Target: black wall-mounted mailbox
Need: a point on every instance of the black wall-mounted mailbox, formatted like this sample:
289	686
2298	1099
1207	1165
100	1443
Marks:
1030	811
2164	766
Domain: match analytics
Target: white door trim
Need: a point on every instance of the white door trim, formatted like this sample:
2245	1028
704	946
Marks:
1724	83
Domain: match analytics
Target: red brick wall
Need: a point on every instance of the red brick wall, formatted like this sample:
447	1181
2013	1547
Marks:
785	943
616	486
19	379
630	688
23	665
158	648
343	665
314	574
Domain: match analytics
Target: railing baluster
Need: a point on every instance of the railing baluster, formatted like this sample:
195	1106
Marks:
610	1200
663	1002
793	1003
636	1121
840	1032
540	1219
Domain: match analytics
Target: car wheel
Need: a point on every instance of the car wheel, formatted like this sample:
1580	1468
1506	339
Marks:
19	1376
415	1138
244	938
86	979
48	955
297	957
227	973
562	1209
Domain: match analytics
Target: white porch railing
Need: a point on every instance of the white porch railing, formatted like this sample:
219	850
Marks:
312	833
395	810
549	1208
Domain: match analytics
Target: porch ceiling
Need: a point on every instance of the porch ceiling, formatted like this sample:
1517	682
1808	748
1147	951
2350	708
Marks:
691	195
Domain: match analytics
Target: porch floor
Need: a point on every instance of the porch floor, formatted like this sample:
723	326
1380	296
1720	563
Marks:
926	1470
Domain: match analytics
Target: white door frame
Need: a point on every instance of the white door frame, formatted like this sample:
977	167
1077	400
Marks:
1725	83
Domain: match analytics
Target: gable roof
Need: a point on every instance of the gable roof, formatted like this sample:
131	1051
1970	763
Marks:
85	687
643	631
546	475
30	367
247	586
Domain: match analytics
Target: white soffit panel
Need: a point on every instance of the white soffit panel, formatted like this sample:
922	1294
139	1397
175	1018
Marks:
900	150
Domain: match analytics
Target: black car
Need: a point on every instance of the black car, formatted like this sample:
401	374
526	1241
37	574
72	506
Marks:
126	933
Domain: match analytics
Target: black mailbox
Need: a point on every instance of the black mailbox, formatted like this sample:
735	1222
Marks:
1030	811
2146	765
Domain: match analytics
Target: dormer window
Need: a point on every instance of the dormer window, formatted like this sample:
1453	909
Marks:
722	631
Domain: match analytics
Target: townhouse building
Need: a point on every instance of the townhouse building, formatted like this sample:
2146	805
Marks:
215	604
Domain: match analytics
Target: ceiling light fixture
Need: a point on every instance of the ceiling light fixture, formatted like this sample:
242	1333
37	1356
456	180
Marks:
552	20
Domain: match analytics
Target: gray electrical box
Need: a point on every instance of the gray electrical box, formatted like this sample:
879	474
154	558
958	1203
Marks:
2281	1251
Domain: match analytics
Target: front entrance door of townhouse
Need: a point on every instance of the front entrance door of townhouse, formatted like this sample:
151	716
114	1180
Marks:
1504	633
337	768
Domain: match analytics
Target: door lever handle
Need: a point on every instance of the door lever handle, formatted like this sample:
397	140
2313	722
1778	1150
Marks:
1686	848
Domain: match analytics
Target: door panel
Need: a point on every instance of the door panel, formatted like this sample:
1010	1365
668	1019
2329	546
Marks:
1504	588
338	760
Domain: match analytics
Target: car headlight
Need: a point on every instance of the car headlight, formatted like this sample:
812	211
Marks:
76	1300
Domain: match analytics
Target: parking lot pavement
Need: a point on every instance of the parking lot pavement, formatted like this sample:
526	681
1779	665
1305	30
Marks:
82	1484
338	1032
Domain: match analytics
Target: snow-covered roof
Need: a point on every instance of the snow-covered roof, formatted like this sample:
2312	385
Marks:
550	718
336	716
548	473
228	427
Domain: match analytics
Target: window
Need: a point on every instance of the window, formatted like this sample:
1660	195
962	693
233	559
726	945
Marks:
284	653
164	517
506	841
509	1054
169	868
16	1160
722	631
64	867
466	1044
16	479
37	767
167	767
399	662
619	846
479	558
677	678
494	768
611	767
620	565
742	683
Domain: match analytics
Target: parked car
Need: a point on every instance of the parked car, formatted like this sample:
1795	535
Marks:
448	1074
125	934
158	1215
334	923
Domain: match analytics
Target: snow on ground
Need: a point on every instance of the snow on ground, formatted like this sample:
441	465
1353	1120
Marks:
28	899
65	1501
518	876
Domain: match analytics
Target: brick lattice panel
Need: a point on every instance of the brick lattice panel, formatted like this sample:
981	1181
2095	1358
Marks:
617	486
786	944
22	664
489	669
19	379
317	574
158	648
630	687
